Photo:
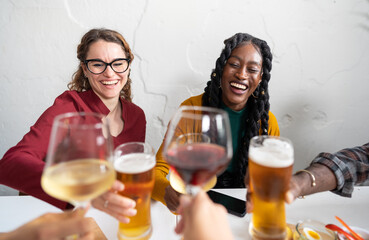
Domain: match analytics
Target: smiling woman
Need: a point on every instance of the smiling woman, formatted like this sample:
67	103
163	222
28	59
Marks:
238	85
101	84
102	45
241	76
107	82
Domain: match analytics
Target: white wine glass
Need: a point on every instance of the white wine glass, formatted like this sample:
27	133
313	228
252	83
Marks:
198	145
79	163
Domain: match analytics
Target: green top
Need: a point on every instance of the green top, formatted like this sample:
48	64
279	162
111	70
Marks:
235	119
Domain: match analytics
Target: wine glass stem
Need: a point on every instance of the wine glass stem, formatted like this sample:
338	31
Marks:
192	190
82	206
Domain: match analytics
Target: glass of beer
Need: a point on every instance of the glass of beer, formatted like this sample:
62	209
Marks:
270	168
134	164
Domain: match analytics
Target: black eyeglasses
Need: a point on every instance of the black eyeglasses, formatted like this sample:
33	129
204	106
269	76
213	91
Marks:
97	66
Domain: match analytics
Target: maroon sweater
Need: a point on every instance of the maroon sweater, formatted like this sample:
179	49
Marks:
22	165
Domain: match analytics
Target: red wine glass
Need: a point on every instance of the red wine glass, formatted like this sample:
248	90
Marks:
198	145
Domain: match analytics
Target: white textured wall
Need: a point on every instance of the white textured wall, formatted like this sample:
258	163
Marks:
320	77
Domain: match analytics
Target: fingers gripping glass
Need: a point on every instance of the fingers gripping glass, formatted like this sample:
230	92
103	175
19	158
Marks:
97	66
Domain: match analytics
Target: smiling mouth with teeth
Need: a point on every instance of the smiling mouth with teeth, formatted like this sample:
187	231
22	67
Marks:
109	82
239	86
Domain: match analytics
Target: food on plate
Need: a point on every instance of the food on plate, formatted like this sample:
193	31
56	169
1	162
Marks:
364	234
311	234
312	230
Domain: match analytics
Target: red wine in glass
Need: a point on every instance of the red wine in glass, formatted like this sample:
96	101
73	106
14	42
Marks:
198	145
197	163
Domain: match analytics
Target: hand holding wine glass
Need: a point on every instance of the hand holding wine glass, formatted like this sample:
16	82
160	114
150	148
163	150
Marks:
198	145
78	165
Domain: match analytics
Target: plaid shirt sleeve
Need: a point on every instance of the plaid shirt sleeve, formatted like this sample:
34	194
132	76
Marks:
350	165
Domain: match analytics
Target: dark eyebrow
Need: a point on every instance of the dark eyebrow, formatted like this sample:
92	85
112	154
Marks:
251	62
234	56
256	63
100	60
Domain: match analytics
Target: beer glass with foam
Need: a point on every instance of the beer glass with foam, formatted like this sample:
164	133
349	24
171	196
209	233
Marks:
134	164
270	168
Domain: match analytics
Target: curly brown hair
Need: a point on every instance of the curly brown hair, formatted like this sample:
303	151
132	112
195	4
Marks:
79	81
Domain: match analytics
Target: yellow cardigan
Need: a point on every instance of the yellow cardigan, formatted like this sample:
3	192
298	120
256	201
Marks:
162	167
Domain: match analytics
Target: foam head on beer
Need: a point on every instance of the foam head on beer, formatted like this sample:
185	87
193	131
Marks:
272	152
134	163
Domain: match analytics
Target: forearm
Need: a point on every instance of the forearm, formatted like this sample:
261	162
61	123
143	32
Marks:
5	236
350	166
23	172
325	179
161	182
12	236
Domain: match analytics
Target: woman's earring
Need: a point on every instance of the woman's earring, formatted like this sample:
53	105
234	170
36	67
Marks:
262	93
257	89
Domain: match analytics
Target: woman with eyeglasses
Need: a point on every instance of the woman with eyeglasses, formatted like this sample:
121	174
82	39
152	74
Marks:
101	84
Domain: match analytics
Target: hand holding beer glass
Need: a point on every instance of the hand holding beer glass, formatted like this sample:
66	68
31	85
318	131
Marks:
78	166
134	163
270	168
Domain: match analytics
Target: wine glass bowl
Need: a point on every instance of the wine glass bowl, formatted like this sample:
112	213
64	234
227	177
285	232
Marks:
198	145
192	138
174	179
177	183
78	165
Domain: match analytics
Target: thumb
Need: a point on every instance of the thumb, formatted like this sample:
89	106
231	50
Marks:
183	210
184	202
289	197
117	186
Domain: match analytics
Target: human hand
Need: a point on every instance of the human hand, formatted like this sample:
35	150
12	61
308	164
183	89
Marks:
294	190
195	211
249	204
55	226
171	198
114	204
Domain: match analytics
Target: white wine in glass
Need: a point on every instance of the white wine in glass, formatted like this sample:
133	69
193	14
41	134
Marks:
79	163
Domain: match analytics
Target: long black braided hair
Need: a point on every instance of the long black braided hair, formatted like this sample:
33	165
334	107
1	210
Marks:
257	114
